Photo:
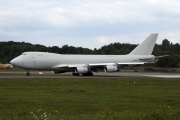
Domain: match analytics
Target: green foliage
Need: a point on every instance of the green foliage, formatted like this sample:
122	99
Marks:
165	42
174	55
9	50
171	61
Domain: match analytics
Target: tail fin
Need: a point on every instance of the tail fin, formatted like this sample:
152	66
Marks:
146	47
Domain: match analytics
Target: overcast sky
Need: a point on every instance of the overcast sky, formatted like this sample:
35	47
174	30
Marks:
88	23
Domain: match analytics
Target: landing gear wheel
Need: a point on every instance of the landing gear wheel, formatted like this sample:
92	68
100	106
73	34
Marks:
28	73
88	74
75	74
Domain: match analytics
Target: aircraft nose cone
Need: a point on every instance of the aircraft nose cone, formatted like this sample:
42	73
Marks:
16	62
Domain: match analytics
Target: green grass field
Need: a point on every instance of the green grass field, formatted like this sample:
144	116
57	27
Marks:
90	99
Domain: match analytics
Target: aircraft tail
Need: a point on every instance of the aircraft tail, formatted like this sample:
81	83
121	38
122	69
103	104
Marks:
146	47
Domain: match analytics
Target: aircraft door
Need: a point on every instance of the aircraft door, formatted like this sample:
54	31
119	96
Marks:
34	61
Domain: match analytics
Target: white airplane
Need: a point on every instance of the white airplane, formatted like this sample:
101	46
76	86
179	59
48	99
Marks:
86	64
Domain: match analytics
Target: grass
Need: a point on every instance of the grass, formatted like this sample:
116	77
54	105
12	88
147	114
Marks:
19	71
91	99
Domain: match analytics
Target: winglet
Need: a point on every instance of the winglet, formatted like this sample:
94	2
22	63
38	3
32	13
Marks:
147	46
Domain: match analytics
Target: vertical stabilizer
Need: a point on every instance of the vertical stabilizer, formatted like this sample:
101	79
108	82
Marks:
146	47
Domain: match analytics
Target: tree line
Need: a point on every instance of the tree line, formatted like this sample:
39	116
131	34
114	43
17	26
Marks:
11	49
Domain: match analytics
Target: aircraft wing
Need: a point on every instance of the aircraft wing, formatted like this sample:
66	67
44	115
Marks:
123	63
96	64
67	65
96	67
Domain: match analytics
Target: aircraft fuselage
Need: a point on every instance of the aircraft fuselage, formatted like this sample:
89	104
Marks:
47	61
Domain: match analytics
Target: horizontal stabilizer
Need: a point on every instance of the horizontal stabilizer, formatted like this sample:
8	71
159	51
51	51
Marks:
161	56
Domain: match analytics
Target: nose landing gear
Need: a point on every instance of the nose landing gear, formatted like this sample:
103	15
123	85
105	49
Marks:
28	73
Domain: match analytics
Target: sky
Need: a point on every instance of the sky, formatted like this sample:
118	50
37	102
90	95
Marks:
88	23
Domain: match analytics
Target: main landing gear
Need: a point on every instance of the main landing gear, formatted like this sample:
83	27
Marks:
84	74
28	73
88	74
75	74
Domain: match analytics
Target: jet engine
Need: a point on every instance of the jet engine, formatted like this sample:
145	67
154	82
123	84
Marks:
110	68
82	70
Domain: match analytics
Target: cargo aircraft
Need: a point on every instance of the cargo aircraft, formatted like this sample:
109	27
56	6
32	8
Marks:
86	64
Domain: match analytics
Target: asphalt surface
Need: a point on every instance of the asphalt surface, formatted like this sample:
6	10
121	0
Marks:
96	75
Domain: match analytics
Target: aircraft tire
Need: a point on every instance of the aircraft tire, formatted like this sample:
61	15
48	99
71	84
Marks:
88	74
28	74
75	74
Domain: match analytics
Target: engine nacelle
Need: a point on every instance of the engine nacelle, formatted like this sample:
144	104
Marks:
110	68
82	70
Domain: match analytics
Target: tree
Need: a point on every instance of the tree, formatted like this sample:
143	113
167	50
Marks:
9	50
171	61
165	42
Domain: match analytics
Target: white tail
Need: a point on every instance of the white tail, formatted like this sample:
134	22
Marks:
146	47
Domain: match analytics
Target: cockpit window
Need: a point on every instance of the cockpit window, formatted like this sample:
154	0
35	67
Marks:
23	54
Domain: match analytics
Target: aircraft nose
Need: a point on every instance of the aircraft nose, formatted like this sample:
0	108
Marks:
16	62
